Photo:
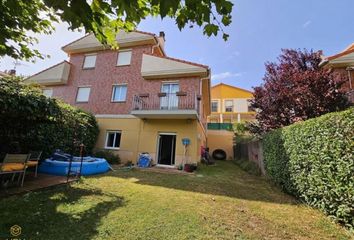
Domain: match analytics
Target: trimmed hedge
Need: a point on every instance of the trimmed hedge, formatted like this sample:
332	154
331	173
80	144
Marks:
314	160
36	122
110	156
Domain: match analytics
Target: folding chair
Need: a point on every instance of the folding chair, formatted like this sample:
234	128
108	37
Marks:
15	163
33	160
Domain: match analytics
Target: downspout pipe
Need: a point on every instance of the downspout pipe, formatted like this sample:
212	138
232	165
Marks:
157	45
349	69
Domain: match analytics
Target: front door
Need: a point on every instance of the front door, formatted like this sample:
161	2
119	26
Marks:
170	101
166	151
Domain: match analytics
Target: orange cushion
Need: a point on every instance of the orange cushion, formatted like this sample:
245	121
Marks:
32	163
11	167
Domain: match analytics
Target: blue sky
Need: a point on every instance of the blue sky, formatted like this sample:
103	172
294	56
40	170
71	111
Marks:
260	29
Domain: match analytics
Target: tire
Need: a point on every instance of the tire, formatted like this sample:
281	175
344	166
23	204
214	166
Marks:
219	154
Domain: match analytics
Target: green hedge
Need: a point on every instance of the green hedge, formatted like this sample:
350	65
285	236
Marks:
314	160
36	122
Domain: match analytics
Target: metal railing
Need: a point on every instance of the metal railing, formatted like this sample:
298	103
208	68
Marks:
220	126
165	101
350	96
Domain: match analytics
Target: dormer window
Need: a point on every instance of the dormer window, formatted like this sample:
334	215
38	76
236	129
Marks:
89	61
124	57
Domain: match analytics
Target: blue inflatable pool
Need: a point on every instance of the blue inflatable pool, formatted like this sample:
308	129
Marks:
90	166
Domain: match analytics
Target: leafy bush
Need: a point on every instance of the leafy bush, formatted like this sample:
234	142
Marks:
276	160
110	156
314	160
40	123
248	166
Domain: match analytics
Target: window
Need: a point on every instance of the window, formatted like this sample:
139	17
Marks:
229	106
48	92
89	61
119	93
113	139
241	105
250	108
83	94
124	57
214	106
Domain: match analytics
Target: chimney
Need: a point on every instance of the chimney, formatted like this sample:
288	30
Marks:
162	35
161	39
12	72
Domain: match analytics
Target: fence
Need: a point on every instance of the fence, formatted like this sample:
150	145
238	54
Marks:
251	151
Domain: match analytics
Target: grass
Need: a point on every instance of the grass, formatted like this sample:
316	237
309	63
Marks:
219	202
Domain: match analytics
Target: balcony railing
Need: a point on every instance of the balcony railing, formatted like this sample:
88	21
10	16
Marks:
350	96
220	126
165	101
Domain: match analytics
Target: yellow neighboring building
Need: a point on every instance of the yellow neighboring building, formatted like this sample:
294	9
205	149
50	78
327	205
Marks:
229	104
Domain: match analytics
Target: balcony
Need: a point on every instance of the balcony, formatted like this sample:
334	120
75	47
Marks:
220	126
166	106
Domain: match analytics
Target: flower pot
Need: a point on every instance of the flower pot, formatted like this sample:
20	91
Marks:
188	168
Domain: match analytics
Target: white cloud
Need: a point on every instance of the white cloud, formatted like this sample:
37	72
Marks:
224	75
306	24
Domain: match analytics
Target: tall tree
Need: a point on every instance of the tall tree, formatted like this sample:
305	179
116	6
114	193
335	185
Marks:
295	88
20	18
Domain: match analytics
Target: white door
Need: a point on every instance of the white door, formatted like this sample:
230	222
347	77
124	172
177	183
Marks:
170	101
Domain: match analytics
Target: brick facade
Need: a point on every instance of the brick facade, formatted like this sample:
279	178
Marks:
106	73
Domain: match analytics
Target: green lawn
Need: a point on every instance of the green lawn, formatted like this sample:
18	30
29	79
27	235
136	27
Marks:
219	202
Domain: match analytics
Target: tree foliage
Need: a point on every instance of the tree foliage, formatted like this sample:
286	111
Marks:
21	18
296	89
36	122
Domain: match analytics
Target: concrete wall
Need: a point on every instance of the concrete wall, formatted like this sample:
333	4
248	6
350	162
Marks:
221	139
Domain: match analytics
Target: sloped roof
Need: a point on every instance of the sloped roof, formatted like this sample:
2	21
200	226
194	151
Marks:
157	67
3	74
57	74
231	86
125	39
342	58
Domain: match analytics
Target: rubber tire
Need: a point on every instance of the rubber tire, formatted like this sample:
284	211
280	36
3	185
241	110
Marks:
219	154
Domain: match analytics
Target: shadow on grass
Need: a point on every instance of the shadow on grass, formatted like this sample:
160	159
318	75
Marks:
57	213
224	179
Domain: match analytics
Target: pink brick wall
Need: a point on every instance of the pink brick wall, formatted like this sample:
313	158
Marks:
105	74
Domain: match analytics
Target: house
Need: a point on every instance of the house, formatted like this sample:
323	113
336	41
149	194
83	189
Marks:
3	74
343	62
143	100
229	104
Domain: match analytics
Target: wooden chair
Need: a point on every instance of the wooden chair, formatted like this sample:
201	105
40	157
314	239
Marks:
15	163
33	160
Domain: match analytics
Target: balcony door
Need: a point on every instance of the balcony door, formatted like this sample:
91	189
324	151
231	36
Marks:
166	149
170	101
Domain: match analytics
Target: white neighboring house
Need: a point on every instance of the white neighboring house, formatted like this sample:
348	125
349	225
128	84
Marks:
3	74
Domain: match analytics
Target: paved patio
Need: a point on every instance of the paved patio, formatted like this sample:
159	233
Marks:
33	184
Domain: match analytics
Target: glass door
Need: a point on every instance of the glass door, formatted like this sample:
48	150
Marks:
166	149
170	101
